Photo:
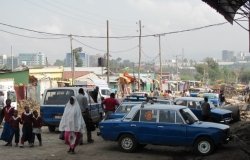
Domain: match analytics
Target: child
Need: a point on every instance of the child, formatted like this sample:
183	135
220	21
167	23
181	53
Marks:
37	124
27	117
14	123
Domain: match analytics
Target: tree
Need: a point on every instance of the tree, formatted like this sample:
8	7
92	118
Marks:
79	62
59	62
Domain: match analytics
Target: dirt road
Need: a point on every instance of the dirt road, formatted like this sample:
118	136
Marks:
55	149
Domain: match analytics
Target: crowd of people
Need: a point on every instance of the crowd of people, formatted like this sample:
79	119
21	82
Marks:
31	126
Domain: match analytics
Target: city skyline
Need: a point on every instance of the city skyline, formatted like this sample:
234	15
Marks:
89	18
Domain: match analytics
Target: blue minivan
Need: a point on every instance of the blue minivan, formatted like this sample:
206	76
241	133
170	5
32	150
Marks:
55	99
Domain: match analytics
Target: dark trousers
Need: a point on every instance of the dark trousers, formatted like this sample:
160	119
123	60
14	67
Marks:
86	118
15	132
38	135
27	134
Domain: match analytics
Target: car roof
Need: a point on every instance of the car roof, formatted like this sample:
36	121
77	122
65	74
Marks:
159	106
73	88
190	98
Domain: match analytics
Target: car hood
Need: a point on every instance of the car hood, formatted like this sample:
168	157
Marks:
220	111
210	125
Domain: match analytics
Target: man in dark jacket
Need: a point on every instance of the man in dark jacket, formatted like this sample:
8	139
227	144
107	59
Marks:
205	107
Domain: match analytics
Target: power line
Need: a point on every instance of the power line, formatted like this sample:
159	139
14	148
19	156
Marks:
117	37
21	35
119	51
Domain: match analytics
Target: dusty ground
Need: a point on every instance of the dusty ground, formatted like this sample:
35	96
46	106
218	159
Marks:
55	149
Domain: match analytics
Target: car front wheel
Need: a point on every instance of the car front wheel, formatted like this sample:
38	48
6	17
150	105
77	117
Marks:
204	146
127	143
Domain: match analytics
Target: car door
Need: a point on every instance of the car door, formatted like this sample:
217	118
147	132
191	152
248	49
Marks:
171	129
146	128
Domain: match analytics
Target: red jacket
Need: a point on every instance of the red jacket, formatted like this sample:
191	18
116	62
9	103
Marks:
37	122
14	122
8	112
110	104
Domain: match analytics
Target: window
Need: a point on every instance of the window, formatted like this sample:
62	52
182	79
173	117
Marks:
178	118
136	117
192	104
167	116
148	115
181	102
58	97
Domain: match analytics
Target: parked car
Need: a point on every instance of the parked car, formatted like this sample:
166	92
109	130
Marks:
214	98
194	103
160	124
54	101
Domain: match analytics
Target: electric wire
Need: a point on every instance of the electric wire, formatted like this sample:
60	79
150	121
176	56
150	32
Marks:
116	37
21	35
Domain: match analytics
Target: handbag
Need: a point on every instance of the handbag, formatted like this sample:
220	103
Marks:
61	135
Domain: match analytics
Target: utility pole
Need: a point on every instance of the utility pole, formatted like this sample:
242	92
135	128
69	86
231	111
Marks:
108	52
72	61
11	59
160	61
139	67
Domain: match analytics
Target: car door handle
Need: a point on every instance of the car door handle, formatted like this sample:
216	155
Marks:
133	125
160	126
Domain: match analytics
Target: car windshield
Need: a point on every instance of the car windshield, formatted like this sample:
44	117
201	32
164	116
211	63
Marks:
125	108
105	92
188	116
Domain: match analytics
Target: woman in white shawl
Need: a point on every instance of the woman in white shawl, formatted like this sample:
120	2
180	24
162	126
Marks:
72	124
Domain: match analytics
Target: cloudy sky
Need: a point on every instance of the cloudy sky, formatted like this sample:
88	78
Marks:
88	18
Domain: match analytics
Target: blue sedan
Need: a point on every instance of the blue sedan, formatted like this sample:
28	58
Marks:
160	124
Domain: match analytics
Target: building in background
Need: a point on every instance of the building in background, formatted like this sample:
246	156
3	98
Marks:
227	56
83	56
3	60
32	59
12	62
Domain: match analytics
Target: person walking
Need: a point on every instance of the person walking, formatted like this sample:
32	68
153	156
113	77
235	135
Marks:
7	113
110	104
205	107
15	130
37	125
72	124
27	120
83	103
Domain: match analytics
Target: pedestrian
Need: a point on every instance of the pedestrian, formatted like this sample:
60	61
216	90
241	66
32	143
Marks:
15	130
205	107
27	120
83	103
110	104
222	98
7	113
72	124
37	125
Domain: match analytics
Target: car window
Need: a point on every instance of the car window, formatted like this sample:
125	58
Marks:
178	118
148	115
192	104
167	116
136	117
181	102
58	97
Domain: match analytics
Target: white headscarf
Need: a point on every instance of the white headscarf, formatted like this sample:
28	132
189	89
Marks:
72	118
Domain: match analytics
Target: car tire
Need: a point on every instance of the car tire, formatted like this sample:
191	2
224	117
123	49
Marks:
204	146
127	143
52	128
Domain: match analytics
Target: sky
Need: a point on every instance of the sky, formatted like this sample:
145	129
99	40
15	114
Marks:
89	18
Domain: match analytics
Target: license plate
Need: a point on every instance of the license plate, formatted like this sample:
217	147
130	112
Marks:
58	117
